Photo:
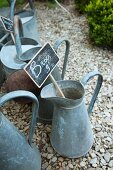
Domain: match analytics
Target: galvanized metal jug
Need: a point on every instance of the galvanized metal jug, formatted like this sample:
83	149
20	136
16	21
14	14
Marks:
29	20
16	151
45	108
10	53
71	134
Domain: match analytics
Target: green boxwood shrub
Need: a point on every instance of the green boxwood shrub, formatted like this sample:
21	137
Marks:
4	3
100	19
81	4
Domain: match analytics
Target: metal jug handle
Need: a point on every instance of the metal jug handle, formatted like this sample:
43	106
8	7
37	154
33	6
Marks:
84	81
12	7
18	32
56	46
31	4
35	107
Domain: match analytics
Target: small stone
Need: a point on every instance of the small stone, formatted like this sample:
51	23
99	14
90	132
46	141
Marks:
44	155
94	162
50	149
54	159
48	129
49	168
44	166
82	164
108	139
111	164
61	159
103	162
107	156
67	168
93	155
70	166
49	156
102	150
61	168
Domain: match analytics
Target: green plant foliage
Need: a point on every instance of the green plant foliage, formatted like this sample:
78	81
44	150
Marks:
82	4
51	4
100	19
4	3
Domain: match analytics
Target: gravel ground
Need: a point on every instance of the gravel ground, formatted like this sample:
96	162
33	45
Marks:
83	58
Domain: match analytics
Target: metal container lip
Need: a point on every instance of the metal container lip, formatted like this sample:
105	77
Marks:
24	41
73	87
11	61
29	54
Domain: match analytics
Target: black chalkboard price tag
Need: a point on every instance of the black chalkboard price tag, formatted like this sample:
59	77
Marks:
42	64
7	24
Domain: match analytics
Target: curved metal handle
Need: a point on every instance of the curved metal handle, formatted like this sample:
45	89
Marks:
18	32
56	46
97	88
31	4
35	107
12	7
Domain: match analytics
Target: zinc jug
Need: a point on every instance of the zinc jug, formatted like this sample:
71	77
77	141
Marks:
16	151
71	134
29	20
45	108
10	52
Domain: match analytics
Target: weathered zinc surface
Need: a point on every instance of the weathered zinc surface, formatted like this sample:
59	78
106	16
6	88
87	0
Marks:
17	152
71	134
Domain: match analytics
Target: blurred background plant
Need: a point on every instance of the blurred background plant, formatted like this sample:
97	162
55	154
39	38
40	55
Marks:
4	3
81	4
100	20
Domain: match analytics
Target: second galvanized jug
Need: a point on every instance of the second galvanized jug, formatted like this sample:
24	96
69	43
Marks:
71	134
16	151
11	52
29	20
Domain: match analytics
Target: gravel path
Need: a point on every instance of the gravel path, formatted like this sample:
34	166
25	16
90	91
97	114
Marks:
83	58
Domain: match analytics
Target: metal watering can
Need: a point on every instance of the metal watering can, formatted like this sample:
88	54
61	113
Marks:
17	152
29	20
71	134
10	53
